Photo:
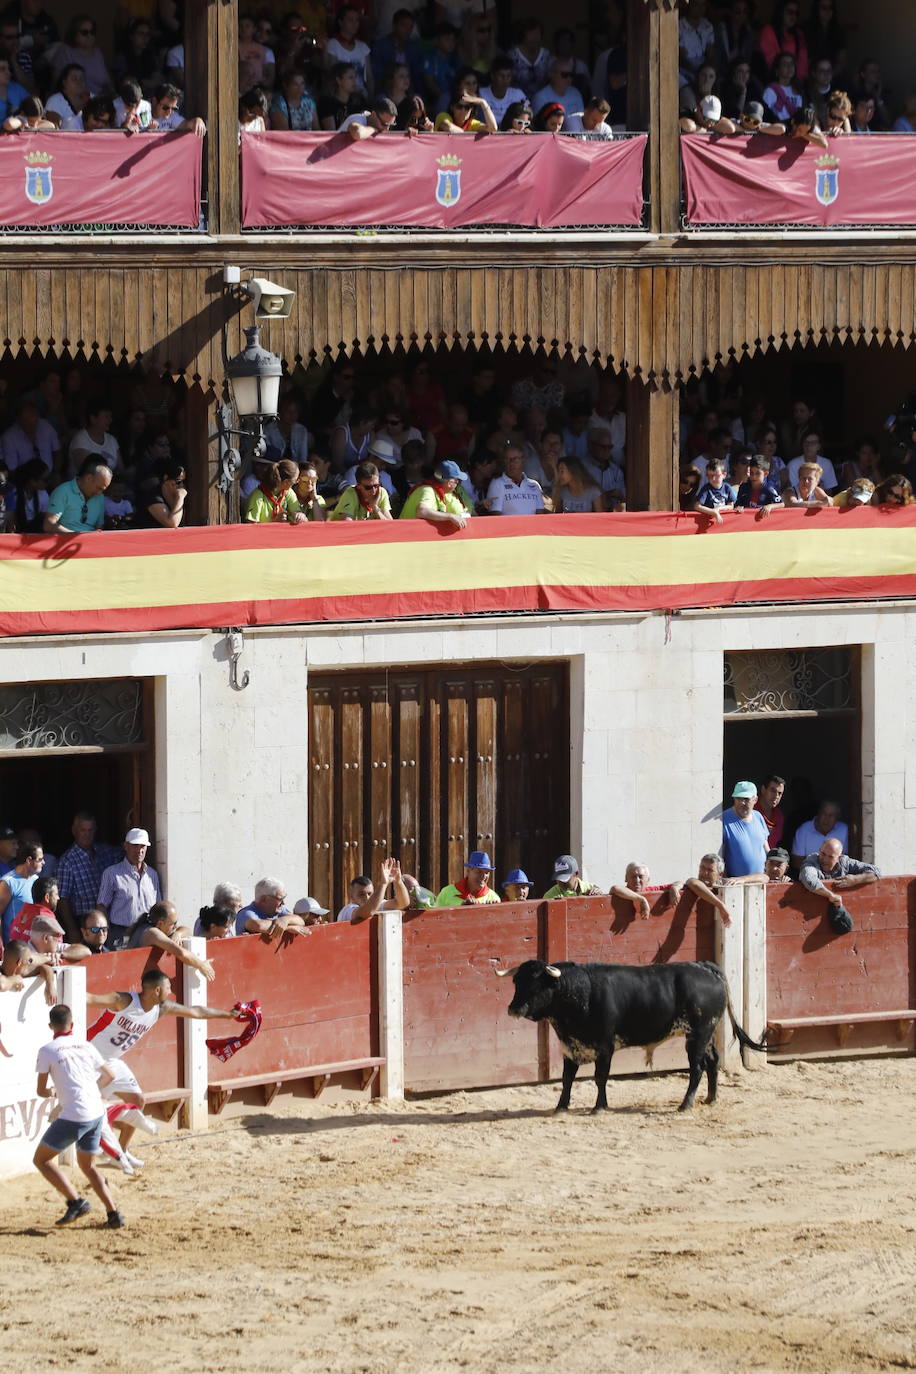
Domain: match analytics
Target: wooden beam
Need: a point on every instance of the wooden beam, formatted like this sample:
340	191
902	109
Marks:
652	103
652	446
211	67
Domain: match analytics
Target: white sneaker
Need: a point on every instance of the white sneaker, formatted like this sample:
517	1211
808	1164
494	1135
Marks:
135	1117
134	1160
124	1164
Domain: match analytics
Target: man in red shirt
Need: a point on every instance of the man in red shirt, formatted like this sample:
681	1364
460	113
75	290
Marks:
45	896
768	799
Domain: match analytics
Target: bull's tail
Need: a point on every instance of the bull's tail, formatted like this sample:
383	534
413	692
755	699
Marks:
742	1035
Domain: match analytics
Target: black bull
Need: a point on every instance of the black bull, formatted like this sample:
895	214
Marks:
598	1008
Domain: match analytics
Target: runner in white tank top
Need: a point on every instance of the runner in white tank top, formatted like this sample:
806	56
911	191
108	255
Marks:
116	1032
126	1019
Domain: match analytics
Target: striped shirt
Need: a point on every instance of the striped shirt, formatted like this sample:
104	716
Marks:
79	874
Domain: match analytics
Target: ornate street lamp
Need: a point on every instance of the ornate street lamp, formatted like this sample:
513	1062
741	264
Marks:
254	376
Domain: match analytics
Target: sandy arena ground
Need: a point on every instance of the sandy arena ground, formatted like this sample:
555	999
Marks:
774	1231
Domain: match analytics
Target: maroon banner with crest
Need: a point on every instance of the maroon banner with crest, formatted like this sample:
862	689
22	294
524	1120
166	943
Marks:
440	181
100	178
758	179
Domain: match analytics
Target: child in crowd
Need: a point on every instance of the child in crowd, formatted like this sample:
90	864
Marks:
715	495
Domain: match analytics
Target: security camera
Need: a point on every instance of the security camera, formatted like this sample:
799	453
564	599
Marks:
271	302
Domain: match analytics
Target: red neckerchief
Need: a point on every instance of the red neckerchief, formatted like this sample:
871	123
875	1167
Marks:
58	1034
461	887
276	502
368	505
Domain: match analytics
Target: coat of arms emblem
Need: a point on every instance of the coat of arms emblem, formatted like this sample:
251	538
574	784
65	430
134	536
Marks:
827	178
39	184
448	182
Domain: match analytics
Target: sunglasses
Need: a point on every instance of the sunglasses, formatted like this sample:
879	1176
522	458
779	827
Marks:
97	930
86	33
564	73
521	123
751	123
370	486
84	513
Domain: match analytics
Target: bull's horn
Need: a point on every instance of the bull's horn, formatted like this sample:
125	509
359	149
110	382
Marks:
505	972
553	971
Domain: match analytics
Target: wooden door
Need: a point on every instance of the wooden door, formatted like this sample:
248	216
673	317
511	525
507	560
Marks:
431	764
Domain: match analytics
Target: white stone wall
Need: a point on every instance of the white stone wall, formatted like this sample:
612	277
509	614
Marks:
232	767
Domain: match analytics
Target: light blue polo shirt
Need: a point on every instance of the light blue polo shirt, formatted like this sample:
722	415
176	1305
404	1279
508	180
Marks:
68	502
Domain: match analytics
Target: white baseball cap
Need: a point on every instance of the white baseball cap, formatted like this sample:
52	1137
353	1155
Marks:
711	108
136	837
307	906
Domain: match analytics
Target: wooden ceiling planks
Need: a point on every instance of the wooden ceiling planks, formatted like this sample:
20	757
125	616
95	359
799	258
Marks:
658	316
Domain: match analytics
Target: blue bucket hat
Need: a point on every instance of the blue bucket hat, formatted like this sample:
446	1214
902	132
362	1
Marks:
518	875
447	470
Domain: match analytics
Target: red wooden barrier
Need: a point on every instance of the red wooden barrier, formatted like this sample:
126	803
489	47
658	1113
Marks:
814	974
317	992
157	1058
456	1031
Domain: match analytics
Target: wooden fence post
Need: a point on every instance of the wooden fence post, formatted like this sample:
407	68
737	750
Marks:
755	969
195	1113
391	1002
730	958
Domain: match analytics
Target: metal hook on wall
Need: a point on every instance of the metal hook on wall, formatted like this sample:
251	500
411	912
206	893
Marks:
235	643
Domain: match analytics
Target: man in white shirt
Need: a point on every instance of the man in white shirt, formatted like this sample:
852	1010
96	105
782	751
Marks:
826	825
809	454
30	437
366	899
500	93
95	441
605	473
594	128
561	91
76	1070
513	493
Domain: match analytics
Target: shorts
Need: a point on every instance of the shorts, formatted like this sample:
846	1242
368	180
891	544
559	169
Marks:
123	1081
85	1135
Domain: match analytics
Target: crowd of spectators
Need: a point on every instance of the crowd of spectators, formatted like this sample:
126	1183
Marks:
74	459
451	68
55	74
426	438
96	898
791	75
746	454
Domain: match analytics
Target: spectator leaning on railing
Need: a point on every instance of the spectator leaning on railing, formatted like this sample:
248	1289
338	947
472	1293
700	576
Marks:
830	864
78	506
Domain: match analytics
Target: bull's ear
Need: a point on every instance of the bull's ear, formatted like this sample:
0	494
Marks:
552	971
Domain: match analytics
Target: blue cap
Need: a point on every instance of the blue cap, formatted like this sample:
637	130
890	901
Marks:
479	858
445	471
518	875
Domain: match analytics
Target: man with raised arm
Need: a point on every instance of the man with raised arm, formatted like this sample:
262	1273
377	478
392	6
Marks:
366	900
126	1018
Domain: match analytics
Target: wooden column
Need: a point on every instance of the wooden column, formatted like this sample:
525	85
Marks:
211	76
653	415
652	104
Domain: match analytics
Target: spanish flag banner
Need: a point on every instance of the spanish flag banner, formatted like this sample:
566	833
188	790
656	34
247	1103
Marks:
300	574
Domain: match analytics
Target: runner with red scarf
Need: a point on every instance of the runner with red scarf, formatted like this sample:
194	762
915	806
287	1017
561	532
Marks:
474	888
